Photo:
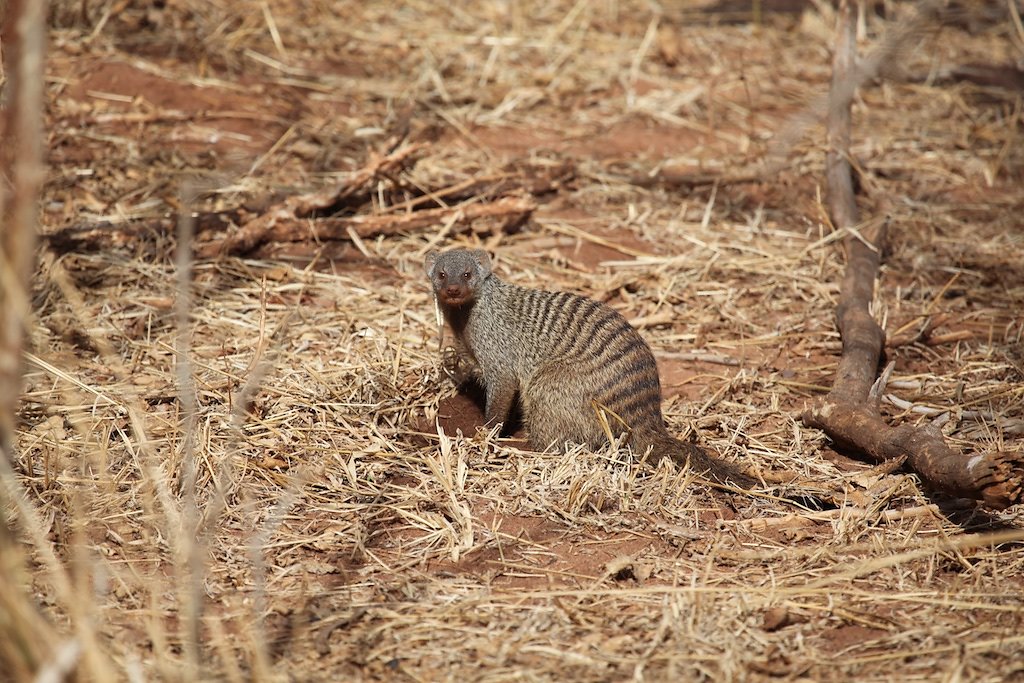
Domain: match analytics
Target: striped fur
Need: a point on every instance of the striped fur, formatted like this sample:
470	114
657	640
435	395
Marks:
566	357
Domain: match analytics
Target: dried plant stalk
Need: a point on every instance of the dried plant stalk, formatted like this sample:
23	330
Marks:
22	174
27	640
850	412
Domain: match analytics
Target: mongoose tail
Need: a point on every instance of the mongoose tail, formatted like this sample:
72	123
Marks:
665	446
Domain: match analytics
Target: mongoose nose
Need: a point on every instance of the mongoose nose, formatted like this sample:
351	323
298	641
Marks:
453	291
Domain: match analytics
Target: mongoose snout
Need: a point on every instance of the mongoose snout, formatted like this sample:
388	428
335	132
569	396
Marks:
455	295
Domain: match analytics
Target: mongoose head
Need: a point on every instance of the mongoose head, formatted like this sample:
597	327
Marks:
456	275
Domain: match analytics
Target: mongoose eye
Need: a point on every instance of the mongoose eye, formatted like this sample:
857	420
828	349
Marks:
465	276
442	275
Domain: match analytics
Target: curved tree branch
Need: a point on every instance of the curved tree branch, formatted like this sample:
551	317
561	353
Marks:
849	414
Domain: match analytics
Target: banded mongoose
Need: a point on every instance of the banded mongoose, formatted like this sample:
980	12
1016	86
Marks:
567	357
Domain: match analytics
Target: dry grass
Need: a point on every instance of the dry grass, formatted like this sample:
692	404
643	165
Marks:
240	475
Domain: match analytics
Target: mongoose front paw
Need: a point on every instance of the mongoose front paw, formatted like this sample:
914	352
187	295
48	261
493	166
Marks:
459	367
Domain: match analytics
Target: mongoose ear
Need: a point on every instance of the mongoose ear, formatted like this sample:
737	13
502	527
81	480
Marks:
430	260
482	260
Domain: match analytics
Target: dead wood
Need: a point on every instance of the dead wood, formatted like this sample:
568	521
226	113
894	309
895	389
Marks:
1006	76
108	236
850	414
257	230
304	217
510	209
675	180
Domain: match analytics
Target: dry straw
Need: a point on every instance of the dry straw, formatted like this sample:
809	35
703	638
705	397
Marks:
250	467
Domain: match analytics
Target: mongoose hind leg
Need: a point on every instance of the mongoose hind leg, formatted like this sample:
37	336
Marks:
556	411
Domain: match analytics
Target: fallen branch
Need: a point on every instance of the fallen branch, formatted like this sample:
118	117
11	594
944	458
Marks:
850	413
511	209
258	229
676	180
298	218
1005	76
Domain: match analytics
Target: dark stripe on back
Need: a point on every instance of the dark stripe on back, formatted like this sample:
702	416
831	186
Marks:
644	403
629	384
531	309
633	366
618	350
577	318
586	339
547	304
